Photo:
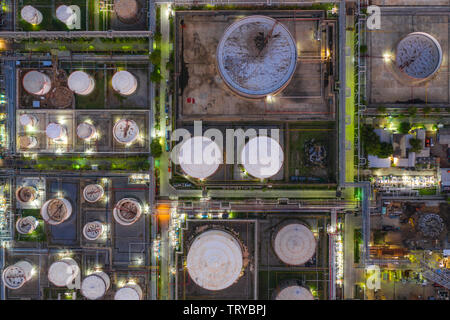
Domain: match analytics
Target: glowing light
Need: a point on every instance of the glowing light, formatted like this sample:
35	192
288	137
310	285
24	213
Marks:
386	57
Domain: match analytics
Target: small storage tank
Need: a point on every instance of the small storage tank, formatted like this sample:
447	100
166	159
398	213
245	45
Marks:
27	142
86	131
200	157
62	273
294	292
26	194
66	15
31	15
26	225
262	157
127	211
95	285
93	192
81	83
126	10
125	131
215	260
124	83
28	120
37	83
130	291
56	131
294	244
15	276
93	230
56	211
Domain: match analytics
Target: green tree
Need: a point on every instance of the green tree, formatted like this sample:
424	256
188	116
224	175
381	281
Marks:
404	127
156	76
416	145
427	110
381	109
386	150
412	111
155	148
155	57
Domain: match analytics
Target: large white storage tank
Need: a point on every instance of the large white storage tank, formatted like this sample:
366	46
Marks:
257	56
126	10
127	211
26	225
81	83
93	193
131	291
95	285
215	260
262	157
56	211
294	292
93	230
26	194
124	83
56	131
62	273
66	15
86	131
27	142
125	131
28	120
200	157
294	244
37	83
15	276
31	15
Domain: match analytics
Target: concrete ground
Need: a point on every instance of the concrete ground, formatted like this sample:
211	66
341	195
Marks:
410	2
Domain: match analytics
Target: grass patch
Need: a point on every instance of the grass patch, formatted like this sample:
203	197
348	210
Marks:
427	192
357	238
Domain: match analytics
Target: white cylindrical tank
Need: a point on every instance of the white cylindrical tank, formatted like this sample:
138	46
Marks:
56	211
26	225
93	192
55	131
294	293
15	276
95	285
127	211
62	273
86	131
28	120
215	260
126	10
262	157
294	244
26	194
124	83
200	157
93	230
81	83
131	291
31	15
36	83
66	14
125	131
27	142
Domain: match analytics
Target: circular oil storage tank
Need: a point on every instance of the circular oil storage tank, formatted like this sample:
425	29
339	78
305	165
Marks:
200	157
62	273
127	211
93	192
31	15
81	83
294	293
262	157
130	291
419	55
215	260
26	194
56	211
127	11
124	83
95	285
55	131
15	276
28	120
26	225
125	131
37	83
27	142
66	15
256	56
86	131
93	230
294	244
